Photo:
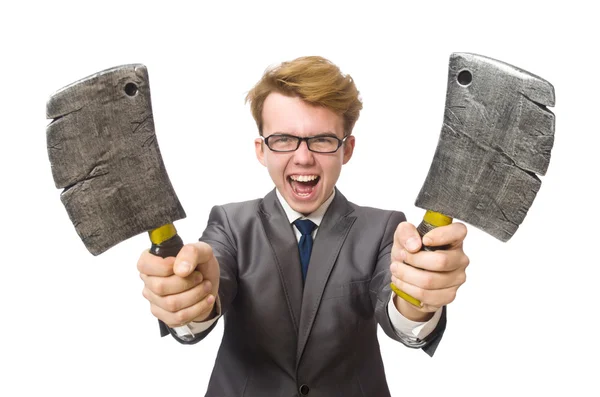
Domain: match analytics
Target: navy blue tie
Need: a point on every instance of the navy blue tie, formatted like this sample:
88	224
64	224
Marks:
306	228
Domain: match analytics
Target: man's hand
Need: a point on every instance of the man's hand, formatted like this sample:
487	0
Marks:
181	289
433	277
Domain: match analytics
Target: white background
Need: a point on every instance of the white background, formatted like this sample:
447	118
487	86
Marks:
72	324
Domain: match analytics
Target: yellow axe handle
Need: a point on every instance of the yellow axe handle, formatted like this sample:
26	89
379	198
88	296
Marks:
166	242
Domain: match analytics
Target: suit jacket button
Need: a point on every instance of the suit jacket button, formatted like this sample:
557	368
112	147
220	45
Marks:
304	390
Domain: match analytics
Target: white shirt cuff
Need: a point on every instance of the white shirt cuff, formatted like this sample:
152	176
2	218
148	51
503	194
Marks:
411	328
199	327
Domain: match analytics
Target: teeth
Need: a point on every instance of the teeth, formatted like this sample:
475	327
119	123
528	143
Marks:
303	178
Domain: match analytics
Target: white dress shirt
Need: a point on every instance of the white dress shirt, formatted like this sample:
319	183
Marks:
402	325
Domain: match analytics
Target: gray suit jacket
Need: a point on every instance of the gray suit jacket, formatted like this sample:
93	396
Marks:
285	339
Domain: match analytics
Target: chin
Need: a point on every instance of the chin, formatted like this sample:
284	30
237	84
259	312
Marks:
305	204
305	209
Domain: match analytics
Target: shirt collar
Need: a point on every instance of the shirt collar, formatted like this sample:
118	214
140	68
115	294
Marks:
316	216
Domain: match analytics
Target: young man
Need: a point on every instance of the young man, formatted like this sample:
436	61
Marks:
295	326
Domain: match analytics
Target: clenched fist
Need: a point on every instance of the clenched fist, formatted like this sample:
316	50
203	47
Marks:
181	289
432	277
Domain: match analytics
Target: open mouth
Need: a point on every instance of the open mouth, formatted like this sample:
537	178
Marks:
303	185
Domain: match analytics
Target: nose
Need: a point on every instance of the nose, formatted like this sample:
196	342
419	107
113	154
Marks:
303	156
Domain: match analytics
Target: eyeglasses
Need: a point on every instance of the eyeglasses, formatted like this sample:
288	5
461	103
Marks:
317	144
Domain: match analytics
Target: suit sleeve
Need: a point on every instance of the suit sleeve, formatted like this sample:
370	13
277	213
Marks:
219	236
380	293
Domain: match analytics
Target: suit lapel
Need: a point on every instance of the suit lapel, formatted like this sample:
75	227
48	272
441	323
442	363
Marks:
285	249
329	240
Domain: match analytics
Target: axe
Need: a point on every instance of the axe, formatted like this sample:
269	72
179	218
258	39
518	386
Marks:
496	136
104	155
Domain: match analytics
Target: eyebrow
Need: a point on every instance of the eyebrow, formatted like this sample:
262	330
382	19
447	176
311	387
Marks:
326	133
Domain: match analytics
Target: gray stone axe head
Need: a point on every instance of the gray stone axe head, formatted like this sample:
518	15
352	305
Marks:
496	136
104	154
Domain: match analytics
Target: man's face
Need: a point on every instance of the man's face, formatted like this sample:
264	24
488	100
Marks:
304	178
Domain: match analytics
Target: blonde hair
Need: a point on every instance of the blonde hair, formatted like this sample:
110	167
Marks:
313	79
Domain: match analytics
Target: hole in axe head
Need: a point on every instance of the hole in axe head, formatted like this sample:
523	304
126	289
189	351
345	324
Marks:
464	78
131	89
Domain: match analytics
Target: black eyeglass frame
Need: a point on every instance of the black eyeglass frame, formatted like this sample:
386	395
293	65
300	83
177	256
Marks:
306	139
